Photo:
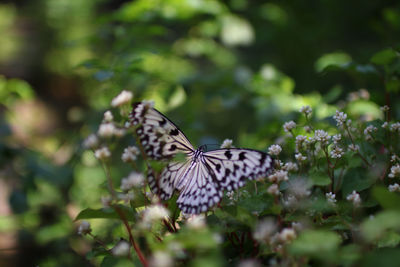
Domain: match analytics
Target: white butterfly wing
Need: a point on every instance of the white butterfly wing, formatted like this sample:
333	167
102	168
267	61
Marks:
198	190
160	137
231	167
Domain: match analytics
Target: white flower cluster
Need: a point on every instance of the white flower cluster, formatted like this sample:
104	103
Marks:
384	108
395	127
340	118
134	179
394	171
322	136
121	249
84	228
300	157
153	213
368	131
196	222
123	98
336	138
108	117
394	187
161	259
337	152
264	230
227	143
290	167
331	197
278	176
102	153
273	190
91	141
130	154
275	150
355	198
306	110
354	148
300	140
288	126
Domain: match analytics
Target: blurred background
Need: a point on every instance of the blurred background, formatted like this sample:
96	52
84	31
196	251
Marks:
220	69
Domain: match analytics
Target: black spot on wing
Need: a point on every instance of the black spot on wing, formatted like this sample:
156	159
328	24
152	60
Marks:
242	155
228	154
174	132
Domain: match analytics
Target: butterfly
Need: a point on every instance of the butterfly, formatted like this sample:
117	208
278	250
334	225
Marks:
202	177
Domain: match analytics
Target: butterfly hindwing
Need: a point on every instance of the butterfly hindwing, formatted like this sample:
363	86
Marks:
232	167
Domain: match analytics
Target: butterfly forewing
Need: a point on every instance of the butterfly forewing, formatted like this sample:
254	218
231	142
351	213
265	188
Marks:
160	137
201	177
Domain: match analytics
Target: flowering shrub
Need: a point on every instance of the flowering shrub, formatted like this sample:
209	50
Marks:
331	200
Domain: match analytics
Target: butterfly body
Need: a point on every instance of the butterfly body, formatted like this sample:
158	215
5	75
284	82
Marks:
202	178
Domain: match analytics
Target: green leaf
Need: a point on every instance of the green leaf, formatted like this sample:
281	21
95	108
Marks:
384	57
377	227
315	243
319	178
393	85
382	257
106	213
386	199
356	179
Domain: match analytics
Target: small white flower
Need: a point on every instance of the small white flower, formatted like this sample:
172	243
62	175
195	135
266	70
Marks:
394	158
84	228
340	117
274	150
287	235
385	125
130	154
278	177
106	129
108	117
299	188
290	167
336	138
331	197
307	128
161	259
196	221
154	213
134	179
355	198
288	126
370	129
123	98
322	136
91	141
121	249
394	187
227	143
395	127
306	110
337	152
384	108
353	148
102	153
394	171
264	230
273	190
300	157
